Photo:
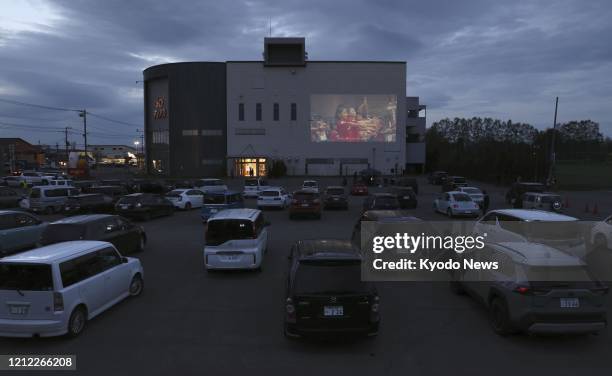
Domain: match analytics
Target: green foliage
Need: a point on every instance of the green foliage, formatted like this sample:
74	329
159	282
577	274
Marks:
278	169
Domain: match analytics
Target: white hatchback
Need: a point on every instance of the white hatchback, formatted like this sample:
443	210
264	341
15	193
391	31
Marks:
54	290
186	198
311	185
456	203
236	239
275	197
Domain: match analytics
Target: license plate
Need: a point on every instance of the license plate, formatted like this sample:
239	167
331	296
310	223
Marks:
331	311
570	303
18	310
230	258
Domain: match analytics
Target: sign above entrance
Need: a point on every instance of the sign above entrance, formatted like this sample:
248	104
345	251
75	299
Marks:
160	110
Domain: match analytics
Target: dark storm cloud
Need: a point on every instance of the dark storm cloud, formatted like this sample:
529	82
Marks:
464	58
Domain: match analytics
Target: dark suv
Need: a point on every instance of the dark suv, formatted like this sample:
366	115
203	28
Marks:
89	203
514	196
451	183
406	197
144	206
335	197
381	201
325	293
437	177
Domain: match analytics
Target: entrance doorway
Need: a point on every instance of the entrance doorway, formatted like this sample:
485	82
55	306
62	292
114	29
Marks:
250	167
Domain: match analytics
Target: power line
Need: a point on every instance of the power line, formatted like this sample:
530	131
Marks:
38	105
113	120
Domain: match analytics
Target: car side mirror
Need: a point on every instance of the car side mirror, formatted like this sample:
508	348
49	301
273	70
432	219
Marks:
124	260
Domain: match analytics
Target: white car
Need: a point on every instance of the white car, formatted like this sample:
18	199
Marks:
33	178
601	235
236	239
311	185
529	225
186	198
210	185
475	193
55	290
455	203
275	197
253	186
13	181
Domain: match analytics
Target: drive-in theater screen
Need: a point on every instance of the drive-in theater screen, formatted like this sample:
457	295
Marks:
353	118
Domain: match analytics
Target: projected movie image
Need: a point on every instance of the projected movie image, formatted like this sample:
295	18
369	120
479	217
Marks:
353	118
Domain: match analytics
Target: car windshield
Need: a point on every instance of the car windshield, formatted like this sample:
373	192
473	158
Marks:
214	199
305	196
310	184
462	197
250	183
335	191
472	191
220	231
25	277
331	277
62	232
270	193
385	201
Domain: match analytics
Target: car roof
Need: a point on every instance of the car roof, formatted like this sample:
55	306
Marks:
456	193
82	219
55	251
535	215
382	194
273	189
243	213
310	190
390	216
468	187
222	193
536	254
542	193
327	249
14	212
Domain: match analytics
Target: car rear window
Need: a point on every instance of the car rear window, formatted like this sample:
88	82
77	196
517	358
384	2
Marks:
330	277
305	195
335	191
270	193
459	179
472	190
130	200
310	184
214	199
62	232
220	231
558	273
250	183
461	197
26	277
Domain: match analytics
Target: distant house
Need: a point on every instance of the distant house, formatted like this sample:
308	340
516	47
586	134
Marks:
112	154
18	154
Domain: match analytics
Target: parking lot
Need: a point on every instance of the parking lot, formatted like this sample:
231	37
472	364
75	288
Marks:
189	321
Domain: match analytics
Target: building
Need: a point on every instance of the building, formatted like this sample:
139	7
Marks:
415	135
317	117
113	154
18	154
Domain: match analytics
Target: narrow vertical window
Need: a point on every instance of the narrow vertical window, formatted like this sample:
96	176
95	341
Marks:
241	111
258	111
275	114
293	111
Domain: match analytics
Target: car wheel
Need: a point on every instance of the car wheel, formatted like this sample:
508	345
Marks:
449	213
499	317
136	286
600	241
142	242
188	206
77	321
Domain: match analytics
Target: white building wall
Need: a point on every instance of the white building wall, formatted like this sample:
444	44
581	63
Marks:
251	83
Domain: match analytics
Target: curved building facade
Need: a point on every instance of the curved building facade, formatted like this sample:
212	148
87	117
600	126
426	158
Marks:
185	119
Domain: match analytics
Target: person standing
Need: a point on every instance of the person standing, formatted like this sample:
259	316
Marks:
485	202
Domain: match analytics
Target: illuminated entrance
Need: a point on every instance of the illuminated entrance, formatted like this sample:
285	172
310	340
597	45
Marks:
250	166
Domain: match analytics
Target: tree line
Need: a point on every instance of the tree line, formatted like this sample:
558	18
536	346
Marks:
502	151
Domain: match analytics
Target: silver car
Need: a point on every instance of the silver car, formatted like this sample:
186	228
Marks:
535	289
18	231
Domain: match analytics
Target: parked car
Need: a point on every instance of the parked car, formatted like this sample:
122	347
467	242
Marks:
537	226
113	191
475	193
408	182
381	201
536	289
88	203
186	198
144	206
437	177
210	185
32	178
9	198
405	196
381	216
215	202
253	186
311	185
514	196
451	183
55	290
56	182
273	197
19	231
359	189
542	201
335	197
305	202
49	199
455	203
13	181
325	293
601	234
236	239
84	185
123	234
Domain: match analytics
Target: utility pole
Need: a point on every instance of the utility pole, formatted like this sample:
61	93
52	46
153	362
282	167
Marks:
553	155
67	146
83	114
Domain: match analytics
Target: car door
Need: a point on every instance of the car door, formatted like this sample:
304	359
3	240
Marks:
130	236
196	198
84	273
27	231
116	274
110	232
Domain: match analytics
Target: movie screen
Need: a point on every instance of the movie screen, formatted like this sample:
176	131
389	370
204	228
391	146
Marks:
353	118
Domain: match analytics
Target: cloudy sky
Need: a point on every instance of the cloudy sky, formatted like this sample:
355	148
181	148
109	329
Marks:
464	58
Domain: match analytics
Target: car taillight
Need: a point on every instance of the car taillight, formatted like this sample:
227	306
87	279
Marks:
523	290
290	310
58	302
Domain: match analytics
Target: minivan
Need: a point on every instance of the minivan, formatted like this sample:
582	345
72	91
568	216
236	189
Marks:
214	202
50	199
253	186
236	239
55	290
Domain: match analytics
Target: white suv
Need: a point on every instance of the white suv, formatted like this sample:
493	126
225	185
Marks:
311	185
236	239
54	290
275	197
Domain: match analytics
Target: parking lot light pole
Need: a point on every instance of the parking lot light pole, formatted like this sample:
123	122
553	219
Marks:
553	156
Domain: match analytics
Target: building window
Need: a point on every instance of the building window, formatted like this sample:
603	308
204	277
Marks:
258	111
293	111
190	132
275	112
241	111
211	132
